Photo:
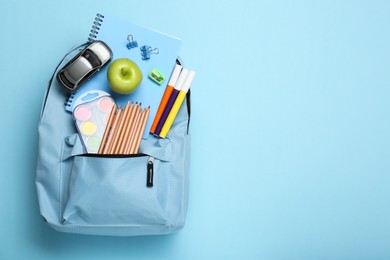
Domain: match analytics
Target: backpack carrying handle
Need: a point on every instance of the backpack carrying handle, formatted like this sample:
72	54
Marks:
55	71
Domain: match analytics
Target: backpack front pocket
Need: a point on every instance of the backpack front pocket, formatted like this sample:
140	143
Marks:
116	191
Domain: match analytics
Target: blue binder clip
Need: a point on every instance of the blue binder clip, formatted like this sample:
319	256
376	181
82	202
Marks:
146	51
131	44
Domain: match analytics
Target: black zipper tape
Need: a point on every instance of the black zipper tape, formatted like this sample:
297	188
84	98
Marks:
149	165
113	155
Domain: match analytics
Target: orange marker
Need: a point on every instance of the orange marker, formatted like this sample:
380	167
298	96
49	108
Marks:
167	94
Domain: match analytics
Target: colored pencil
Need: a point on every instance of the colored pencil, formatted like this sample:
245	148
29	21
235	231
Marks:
122	135
119	134
124	129
112	132
115	131
136	131
108	126
133	130
140	129
130	121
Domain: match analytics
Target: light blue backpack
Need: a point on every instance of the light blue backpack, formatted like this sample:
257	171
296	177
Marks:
108	195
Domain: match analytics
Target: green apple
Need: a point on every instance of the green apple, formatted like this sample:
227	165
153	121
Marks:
124	76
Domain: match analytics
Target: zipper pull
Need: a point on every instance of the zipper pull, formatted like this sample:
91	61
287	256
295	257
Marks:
149	180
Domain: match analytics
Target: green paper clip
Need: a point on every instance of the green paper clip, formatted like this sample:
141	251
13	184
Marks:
156	76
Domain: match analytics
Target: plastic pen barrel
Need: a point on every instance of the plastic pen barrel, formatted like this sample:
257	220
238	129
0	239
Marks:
172	100
167	94
176	106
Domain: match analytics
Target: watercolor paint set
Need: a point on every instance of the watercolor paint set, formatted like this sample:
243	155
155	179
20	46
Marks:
91	118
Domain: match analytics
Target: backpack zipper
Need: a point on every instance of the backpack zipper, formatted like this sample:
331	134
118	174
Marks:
149	165
150	172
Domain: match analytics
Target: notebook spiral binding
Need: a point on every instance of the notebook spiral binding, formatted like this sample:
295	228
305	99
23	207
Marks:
95	27
69	101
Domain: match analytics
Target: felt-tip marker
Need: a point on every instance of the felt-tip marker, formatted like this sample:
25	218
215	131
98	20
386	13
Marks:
171	101
167	94
179	100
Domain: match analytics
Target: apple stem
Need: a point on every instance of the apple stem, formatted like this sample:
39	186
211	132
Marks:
124	72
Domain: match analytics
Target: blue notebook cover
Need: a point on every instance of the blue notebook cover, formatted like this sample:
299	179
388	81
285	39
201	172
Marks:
114	32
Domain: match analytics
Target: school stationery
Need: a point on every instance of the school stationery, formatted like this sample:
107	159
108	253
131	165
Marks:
124	130
171	101
131	44
167	94
177	105
91	118
156	76
147	50
115	32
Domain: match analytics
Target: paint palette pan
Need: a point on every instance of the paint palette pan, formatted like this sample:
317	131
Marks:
91	119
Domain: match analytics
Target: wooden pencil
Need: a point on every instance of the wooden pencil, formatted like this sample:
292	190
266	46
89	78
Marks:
127	129
119	133
108	126
124	128
136	132
140	132
112	133
116	131
133	130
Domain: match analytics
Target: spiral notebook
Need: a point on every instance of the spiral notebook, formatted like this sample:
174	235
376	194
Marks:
114	32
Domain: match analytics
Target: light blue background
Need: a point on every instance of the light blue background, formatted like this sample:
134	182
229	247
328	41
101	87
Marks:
290	127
